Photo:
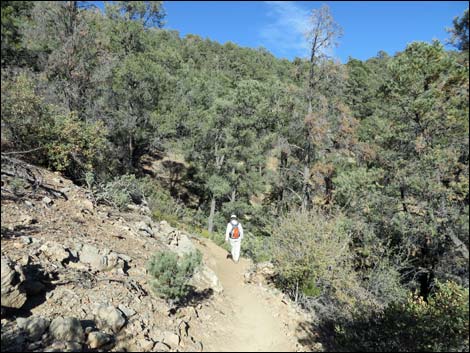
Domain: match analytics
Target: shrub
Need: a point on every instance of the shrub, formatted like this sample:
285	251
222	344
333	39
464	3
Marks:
310	250
257	247
120	191
60	141
440	324
170	273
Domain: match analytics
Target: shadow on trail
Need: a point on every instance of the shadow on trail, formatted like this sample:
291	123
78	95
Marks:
195	297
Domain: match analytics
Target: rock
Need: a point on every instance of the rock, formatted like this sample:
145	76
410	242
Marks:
61	346
91	255
109	318
87	205
13	294
145	210
183	329
194	346
98	339
180	243
188	313
34	326
65	190
13	339
266	269
55	251
103	260
126	311
47	201
205	278
27	220
171	339
34	346
67	329
144	228
161	347
26	240
124	257
146	345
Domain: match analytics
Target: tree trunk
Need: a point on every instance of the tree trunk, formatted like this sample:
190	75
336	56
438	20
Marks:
233	196
296	291
306	179
131	151
210	227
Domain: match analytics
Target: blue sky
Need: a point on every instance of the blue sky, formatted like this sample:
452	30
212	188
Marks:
278	26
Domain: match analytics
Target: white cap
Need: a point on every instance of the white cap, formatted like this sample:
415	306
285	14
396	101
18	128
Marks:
233	216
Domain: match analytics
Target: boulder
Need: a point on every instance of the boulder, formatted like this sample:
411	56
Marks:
180	243
109	318
34	326
101	260
205	278
55	251
67	329
13	294
171	339
98	339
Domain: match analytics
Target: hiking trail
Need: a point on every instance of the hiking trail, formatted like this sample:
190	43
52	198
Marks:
252	320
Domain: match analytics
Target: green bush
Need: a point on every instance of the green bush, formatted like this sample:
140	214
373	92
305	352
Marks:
257	247
439	325
120	191
60	141
309	250
170	273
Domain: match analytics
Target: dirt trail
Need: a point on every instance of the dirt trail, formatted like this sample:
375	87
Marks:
252	319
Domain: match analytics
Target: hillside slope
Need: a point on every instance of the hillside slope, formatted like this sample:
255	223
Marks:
74	278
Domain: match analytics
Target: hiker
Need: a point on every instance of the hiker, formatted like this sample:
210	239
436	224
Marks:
235	233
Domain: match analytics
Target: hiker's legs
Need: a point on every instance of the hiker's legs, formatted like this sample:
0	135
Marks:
235	243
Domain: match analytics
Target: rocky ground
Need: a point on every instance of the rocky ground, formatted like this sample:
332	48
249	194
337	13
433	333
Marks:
74	277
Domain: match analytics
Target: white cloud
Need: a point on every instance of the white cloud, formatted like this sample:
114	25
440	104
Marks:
285	33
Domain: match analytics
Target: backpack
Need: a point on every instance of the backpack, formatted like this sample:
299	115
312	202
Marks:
235	232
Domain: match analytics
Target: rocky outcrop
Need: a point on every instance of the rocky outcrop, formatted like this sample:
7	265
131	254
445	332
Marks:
176	240
67	253
13	293
101	259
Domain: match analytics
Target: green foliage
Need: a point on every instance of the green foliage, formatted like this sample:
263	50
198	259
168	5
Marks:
310	249
120	192
14	14
76	145
257	247
459	33
62	141
377	150
439	325
170	274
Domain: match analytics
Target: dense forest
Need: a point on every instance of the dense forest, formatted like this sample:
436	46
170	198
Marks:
353	179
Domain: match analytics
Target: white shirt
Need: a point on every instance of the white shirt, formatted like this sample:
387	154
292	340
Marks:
229	229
